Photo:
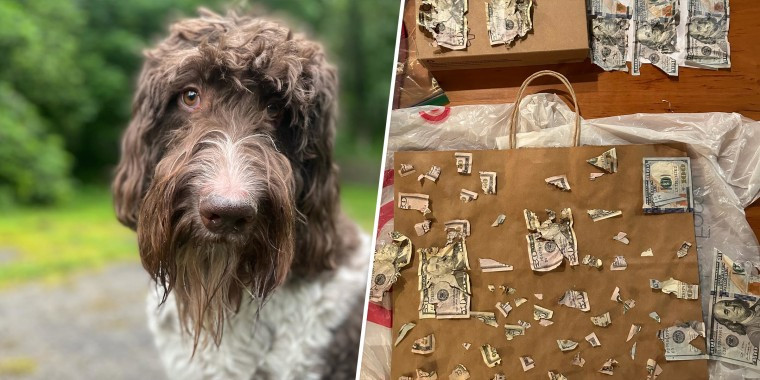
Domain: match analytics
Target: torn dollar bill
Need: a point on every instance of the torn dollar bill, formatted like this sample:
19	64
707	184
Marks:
424	345
490	356
619	263
655	316
551	241
388	261
422	228
621	237
527	363
603	320
490	265
656	34
578	360
524	324
542	313
575	299
485	317
467	195
647	253
633	331
504	308
432	174
681	289
405	328
609	42
633	351
443	281
556	376
667	185
466	345
545	322
684	250
608	368
499	220
606	161
464	162
594	176
566	345
628	305
412	201
422	375
491	288
507	290
499	376
519	301
616	295
653	369
539	296
599	214
488	182
677	340
593	340
445	20
592	261
511	331
707	34
507	20
405	170
459	373
560	181
458	226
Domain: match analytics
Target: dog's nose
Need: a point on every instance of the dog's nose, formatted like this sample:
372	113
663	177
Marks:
225	215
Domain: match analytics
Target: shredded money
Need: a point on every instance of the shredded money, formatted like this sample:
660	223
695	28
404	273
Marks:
616	295
606	161
633	331
677	341
485	317
655	316
578	360
608	368
621	237
575	299
593	340
488	182
507	290
707	37
520	301
594	176
424	345
524	324
422	375
628	305
405	170
459	373
539	296
545	322
443	281
422	228
551	241
405	328
511	331
432	174
647	253
499	376
681	289
540	313
603	320
490	356
527	363
599	214
445	20
467	195
592	261
609	42
684	250
411	201
388	261
560	181
460	226
618	263
633	351
504	308
566	345
499	220
491	288
667	185
656	35
556	376
466	345
653	369
490	265
464	162
507	20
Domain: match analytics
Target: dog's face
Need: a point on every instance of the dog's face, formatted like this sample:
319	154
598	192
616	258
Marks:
226	170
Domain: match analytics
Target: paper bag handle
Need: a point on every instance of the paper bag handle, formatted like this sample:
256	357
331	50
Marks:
516	109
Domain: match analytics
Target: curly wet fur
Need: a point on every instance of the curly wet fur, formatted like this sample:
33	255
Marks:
265	128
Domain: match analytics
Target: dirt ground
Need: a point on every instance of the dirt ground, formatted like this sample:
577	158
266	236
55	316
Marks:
91	327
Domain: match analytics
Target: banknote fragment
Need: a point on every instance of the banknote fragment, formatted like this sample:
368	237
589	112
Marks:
619	263
488	182
422	228
606	161
681	289
633	351
490	356
414	201
647	253
443	281
485	317
405	328
499	376
560	181
463	162
608	368
507	20
545	322
445	20
527	363
592	261
609	42
603	320
667	185
616	295
466	345
406	169
551	241
432	174
511	331
656	34
575	299
388	261
578	360
633	331
593	340
707	34
655	316
524	324
467	195
424	345
622	237
628	305
422	375
594	176
539	296
460	372
653	369
599	214
491	265
677	341
499	220
684	250
504	308
540	313
519	301
458	227
556	376
566	345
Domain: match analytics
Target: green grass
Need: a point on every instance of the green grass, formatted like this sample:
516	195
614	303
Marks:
50	243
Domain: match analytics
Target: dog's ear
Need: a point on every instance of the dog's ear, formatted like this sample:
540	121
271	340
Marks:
139	152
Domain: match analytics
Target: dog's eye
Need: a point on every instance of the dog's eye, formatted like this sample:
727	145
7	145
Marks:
273	110
190	99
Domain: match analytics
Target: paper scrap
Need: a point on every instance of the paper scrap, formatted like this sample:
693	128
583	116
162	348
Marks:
405	170
655	316
459	373
467	195
464	162
527	363
633	331
490	265
578	360
422	228
566	345
599	214
681	289
684	250
414	201
488	182
606	161
541	313
608	368
621	237
575	299
405	328
560	181
603	320
594	176
490	356
593	340
424	345
653	369
619	263
499	220
647	253
504	308
485	317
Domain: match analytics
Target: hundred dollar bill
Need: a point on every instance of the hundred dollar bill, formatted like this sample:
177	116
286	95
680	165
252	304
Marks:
508	19
617	8
593	340
485	317
388	261
443	281
446	21
511	331
411	201
551	241
677	340
656	34
707	36
560	181
603	320
566	345
541	313
460	372
608	368
609	42
667	185
575	299
464	162
488	182
734	317
490	356
424	345
405	328
406	169
527	363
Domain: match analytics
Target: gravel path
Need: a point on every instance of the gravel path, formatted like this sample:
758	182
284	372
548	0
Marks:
91	327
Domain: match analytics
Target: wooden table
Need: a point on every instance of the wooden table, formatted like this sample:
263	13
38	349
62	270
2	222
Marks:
603	94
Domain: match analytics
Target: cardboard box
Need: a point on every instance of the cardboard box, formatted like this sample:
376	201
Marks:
559	35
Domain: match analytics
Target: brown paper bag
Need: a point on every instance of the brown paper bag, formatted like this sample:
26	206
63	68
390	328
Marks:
520	185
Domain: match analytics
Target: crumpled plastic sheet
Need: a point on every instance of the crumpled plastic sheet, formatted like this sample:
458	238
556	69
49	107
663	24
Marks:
724	149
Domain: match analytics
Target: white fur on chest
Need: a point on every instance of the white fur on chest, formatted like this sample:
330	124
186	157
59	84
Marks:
294	326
